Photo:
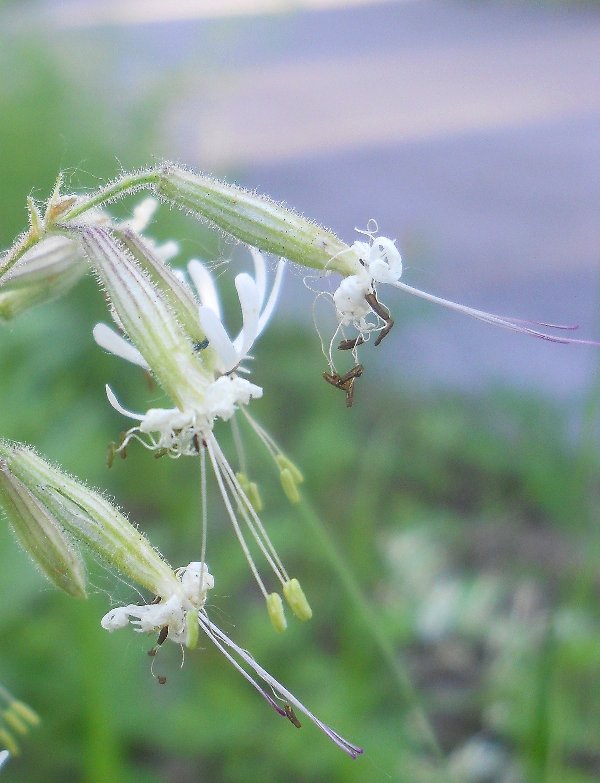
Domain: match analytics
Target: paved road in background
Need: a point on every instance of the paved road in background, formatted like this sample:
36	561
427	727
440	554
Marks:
470	131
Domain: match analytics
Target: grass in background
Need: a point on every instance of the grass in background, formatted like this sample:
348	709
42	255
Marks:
469	523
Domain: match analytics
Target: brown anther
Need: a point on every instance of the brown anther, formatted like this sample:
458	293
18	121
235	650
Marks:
162	636
345	382
383	313
291	716
350	345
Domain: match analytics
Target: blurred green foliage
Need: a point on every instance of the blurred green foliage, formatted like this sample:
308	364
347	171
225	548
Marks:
469	523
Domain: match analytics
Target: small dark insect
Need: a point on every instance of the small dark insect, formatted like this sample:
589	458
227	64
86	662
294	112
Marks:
350	345
383	313
161	679
201	345
345	382
291	715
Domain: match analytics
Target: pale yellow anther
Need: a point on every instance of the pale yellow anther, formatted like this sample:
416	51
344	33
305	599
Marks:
289	485
191	629
14	722
8	741
286	463
296	599
251	491
276	613
24	711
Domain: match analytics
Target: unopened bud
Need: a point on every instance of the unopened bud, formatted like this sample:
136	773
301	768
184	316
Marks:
89	518
256	220
45	272
40	534
296	599
276	613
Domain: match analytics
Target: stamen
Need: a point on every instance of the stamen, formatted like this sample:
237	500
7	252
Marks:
250	516
276	613
507	323
211	443
213	632
203	505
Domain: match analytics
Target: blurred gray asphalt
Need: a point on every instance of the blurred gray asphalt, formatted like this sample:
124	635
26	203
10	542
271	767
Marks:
470	131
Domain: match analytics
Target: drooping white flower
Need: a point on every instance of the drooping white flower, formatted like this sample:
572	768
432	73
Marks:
183	613
380	262
197	364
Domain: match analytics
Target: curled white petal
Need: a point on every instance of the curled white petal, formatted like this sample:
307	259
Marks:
114	343
385	261
142	214
349	298
218	338
273	297
204	285
260	274
118	407
250	304
167	250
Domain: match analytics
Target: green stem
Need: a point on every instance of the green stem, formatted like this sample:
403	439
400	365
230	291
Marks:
122	187
22	245
366	613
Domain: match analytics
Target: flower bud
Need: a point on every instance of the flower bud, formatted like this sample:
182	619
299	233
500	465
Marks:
90	519
41	535
148	320
45	272
256	220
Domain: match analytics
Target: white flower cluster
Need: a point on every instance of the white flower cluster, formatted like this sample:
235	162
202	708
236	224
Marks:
171	613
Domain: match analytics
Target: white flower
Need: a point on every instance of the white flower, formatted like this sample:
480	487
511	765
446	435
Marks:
183	613
201	376
380	262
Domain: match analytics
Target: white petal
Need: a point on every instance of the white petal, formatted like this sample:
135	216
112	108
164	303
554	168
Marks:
218	338
118	407
143	214
204	285
167	250
249	302
260	274
273	297
112	342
